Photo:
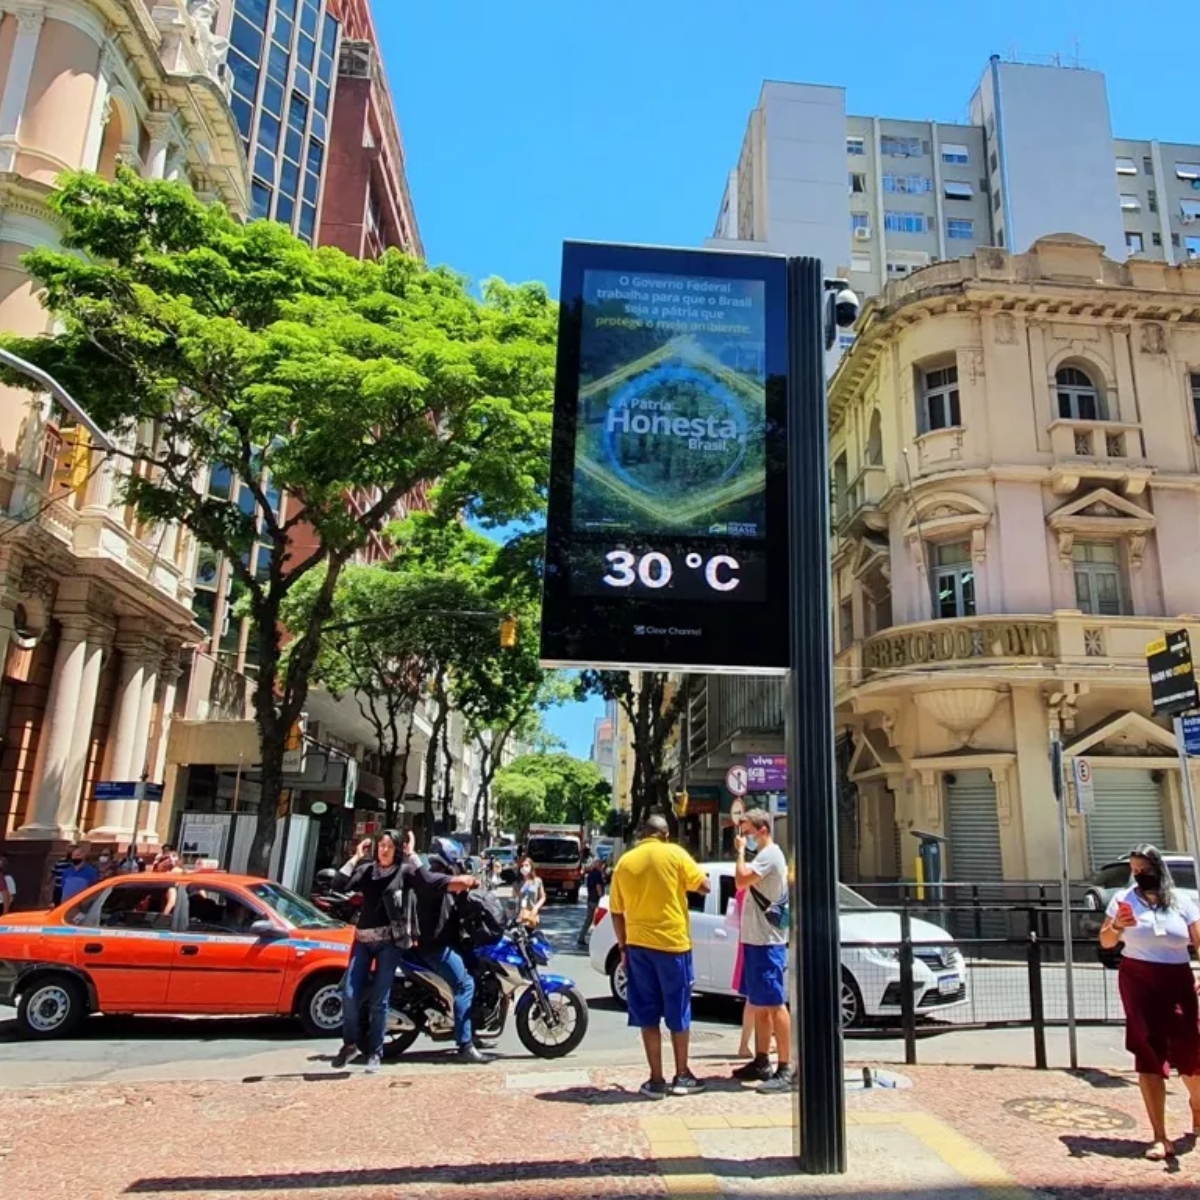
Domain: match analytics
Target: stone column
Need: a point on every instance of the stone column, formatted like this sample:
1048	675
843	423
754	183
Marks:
101	109
30	18
158	126
66	729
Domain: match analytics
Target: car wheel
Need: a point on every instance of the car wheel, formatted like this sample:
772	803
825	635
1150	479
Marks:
618	981
852	1002
319	1006
52	1007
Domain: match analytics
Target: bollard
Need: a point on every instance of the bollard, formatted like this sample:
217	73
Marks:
908	1003
1037	1001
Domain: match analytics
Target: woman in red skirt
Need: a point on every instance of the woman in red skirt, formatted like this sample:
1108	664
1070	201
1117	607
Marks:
1155	925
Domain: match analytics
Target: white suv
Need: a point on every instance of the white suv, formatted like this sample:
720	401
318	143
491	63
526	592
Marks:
870	957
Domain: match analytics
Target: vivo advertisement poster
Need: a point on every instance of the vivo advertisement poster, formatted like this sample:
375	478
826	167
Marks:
668	490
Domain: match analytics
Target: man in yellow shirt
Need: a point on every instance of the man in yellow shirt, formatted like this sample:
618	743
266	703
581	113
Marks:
648	902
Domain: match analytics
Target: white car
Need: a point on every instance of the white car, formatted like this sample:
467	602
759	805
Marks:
870	971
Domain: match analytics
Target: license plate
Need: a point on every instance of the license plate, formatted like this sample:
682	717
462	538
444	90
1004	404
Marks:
948	985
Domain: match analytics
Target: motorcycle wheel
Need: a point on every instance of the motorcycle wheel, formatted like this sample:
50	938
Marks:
552	1041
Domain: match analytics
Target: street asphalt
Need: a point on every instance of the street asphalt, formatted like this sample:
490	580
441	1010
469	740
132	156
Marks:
129	1049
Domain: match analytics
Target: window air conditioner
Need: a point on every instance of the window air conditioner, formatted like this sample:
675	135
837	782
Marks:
864	235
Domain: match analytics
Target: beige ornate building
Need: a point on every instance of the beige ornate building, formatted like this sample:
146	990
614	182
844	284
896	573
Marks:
1016	449
94	608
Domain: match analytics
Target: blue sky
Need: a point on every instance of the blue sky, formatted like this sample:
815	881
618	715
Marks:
529	121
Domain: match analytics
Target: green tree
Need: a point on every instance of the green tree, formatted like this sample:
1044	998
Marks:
520	801
653	707
574	791
200	341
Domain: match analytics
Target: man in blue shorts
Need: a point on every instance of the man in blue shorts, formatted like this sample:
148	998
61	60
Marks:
648	902
764	952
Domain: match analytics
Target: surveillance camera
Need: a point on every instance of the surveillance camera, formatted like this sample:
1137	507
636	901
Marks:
846	307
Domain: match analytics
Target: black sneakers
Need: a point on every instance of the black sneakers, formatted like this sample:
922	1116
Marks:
784	1080
654	1089
342	1057
687	1085
757	1070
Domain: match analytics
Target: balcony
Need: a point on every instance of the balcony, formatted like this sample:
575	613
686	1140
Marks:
1104	450
858	508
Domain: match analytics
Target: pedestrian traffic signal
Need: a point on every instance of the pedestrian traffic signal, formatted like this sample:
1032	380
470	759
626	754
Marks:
508	633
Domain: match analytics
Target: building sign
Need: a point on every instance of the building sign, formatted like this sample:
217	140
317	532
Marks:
1085	790
295	751
978	639
1191	735
666	531
767	772
1172	675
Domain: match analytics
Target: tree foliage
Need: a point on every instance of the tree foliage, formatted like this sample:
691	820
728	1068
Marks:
201	341
653	707
573	790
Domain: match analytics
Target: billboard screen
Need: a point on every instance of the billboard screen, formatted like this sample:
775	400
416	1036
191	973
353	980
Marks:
668	494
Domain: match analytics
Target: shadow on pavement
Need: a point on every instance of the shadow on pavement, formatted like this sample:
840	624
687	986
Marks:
616	1094
191	1029
1083	1146
1102	1079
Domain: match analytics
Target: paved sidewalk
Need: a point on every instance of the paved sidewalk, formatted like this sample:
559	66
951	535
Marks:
568	1133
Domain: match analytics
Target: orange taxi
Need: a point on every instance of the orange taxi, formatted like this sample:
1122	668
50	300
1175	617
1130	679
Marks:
204	943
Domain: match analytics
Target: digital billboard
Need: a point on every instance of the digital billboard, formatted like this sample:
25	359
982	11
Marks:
667	520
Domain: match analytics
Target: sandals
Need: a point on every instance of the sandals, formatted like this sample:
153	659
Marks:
1161	1151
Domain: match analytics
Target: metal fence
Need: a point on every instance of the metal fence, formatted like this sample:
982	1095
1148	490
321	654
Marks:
1011	938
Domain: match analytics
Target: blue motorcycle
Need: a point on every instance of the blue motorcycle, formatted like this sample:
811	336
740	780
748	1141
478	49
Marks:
550	1011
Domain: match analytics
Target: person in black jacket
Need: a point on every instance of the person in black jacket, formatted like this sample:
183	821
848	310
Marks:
374	945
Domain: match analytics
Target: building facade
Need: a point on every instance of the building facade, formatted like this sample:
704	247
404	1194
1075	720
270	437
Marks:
1016	461
876	198
95	607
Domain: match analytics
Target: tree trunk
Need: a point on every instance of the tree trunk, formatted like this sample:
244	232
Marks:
431	756
273	740
447	777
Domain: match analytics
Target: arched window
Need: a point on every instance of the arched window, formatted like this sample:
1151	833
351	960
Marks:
875	441
1079	399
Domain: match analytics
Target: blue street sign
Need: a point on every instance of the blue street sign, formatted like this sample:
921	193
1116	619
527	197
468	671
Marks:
1191	734
129	789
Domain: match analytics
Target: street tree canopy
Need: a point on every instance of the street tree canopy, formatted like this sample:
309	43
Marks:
343	385
573	790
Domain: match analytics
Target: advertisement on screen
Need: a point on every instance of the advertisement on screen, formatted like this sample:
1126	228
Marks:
668	496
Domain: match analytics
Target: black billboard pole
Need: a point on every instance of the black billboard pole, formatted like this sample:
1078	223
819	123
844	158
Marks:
820	1136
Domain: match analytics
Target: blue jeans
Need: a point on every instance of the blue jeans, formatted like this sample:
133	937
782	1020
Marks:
360	984
448	964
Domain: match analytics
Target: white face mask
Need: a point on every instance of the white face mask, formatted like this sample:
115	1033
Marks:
526	871
104	858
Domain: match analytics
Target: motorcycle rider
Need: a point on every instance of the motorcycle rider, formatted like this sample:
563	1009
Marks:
435	886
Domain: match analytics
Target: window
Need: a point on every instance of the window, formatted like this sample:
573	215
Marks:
841	487
939	399
1194	381
996	200
958	189
855	145
1191	245
910	185
1187	171
995	162
875	440
1097	578
212	910
858	183
1175	240
900	147
905	222
1126	166
953	581
729	891
1147	164
1130	203
136	906
1135	243
960	227
1152	200
845	624
860	221
860	262
952	152
1156	238
1078	396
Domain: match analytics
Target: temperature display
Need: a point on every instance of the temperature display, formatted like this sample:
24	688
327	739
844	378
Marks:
654	570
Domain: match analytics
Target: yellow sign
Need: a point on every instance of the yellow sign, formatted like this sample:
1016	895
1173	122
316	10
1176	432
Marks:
956	643
1158	646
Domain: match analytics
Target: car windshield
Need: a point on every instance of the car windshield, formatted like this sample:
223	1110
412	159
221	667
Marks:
553	850
1116	875
503	854
292	908
848	899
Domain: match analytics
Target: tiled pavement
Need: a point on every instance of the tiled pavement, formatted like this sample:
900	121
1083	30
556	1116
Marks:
956	1134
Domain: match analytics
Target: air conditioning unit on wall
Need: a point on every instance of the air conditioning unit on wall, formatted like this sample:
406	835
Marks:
862	235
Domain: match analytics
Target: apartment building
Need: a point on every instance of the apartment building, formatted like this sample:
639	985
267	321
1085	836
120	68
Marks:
95	607
879	197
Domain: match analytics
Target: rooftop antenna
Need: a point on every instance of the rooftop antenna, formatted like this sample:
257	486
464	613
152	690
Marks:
1078	60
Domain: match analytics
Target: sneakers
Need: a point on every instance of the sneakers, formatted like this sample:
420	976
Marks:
470	1053
342	1057
373	1064
687	1085
757	1070
784	1080
654	1089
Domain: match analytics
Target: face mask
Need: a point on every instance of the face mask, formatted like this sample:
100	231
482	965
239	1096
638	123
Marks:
526	871
752	843
77	862
104	858
1148	881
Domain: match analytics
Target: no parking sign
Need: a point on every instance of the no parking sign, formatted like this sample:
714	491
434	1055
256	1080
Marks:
1085	791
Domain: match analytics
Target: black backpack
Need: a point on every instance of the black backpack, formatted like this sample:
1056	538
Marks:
482	917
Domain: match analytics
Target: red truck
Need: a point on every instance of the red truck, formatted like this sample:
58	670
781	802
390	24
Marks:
557	854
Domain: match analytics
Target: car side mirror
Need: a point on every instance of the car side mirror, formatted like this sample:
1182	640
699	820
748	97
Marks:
267	929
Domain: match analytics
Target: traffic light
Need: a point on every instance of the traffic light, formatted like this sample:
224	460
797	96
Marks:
681	803
508	633
73	465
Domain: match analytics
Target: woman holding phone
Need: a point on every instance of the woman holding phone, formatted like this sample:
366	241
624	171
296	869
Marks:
1155	926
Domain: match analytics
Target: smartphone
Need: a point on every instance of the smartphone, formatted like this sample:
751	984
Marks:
1125	910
